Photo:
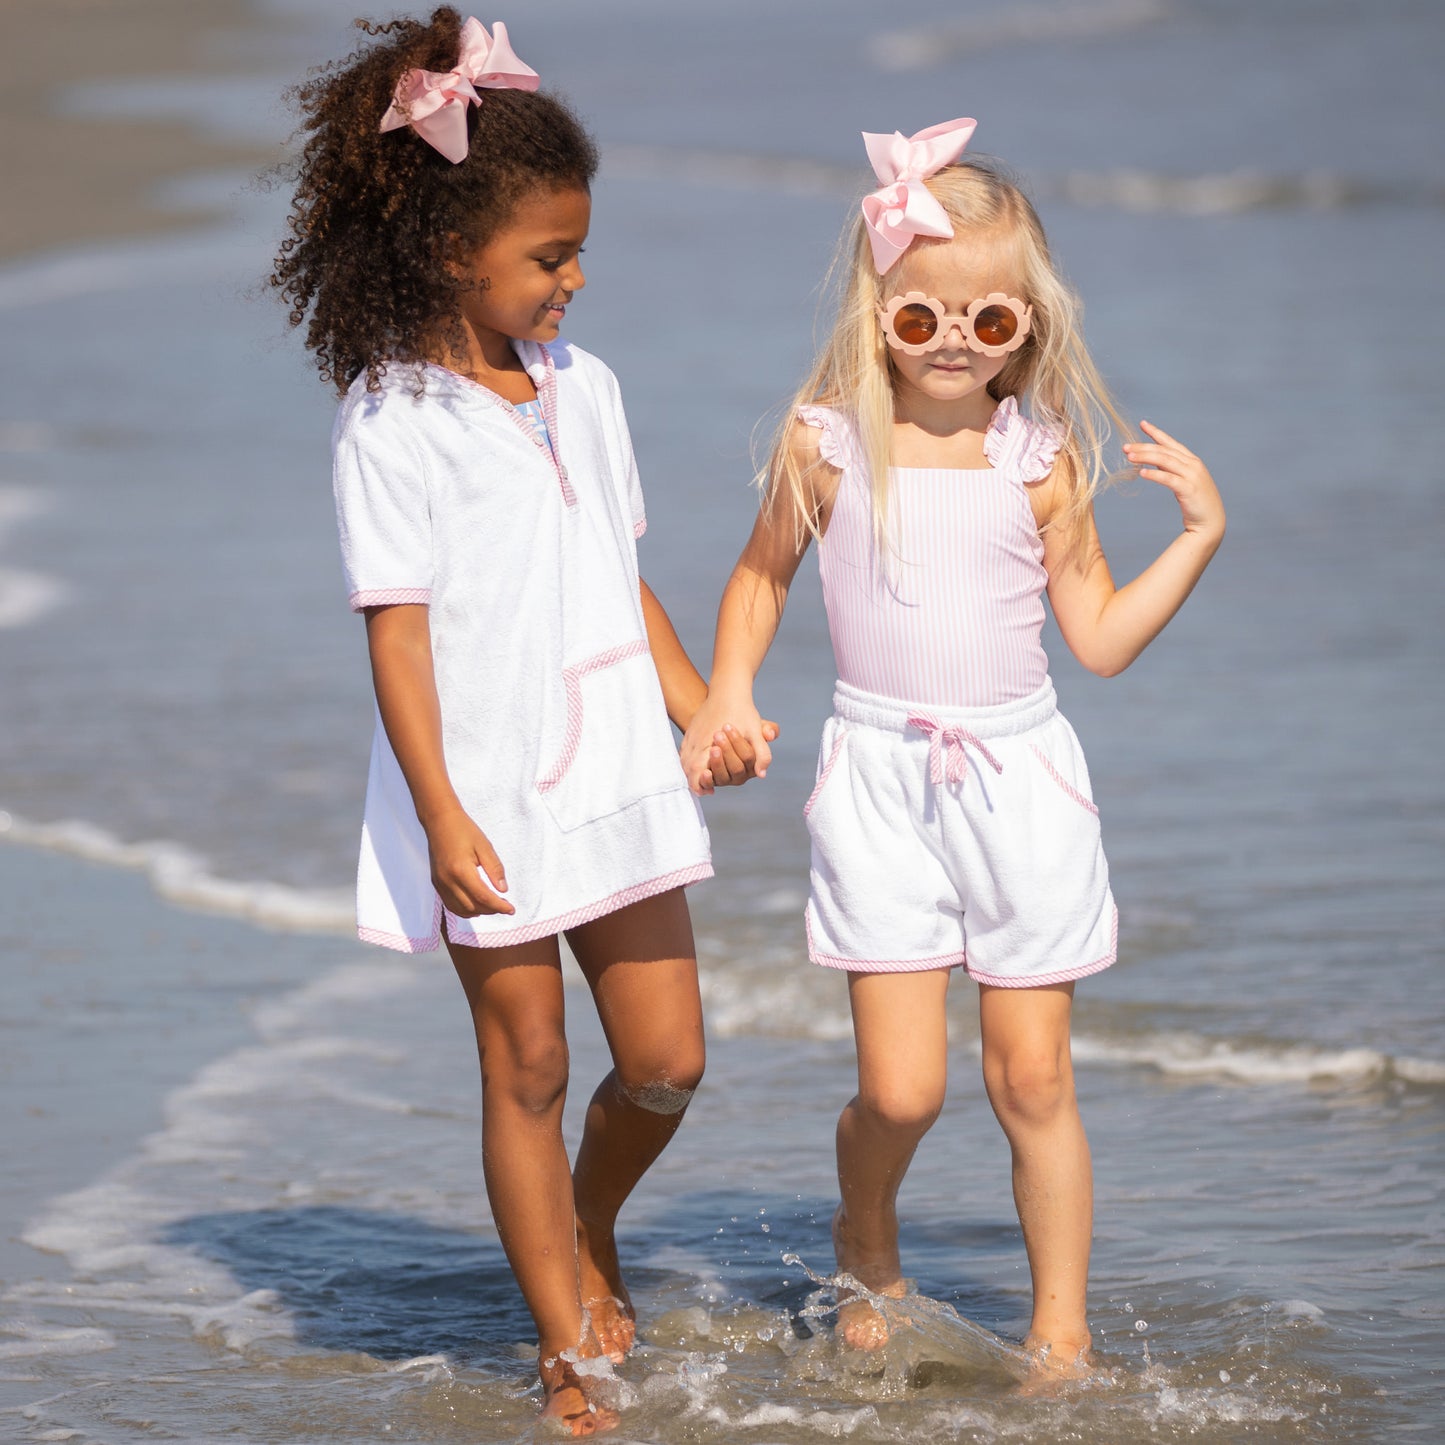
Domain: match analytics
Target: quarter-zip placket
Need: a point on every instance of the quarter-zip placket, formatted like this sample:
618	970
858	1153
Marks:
547	394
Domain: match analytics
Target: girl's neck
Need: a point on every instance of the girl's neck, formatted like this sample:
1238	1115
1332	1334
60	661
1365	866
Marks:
491	361
940	434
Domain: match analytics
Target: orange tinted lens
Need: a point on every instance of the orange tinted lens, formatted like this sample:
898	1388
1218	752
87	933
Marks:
996	325
914	325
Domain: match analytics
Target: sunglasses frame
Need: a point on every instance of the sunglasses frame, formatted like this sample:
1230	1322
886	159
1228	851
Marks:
971	339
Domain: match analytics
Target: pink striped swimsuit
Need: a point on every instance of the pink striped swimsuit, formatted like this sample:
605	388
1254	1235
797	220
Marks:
952	822
955	620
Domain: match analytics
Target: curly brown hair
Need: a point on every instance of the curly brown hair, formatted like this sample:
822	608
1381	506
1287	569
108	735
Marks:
376	218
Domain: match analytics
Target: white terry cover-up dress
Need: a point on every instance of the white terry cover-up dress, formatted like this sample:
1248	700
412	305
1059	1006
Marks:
554	729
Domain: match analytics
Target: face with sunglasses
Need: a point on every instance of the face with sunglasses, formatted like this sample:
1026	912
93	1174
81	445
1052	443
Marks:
950	328
994	325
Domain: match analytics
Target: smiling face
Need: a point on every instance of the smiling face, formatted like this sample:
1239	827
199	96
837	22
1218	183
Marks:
523	278
956	273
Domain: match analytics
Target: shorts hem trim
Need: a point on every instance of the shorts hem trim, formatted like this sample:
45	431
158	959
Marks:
879	965
1066	975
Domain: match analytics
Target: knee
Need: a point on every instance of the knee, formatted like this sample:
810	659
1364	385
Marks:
903	1107
1029	1088
664	1086
530	1070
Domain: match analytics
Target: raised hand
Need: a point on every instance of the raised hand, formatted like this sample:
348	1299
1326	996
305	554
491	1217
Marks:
1173	465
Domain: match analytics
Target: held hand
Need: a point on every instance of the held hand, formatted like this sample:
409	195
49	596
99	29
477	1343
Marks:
1173	465
732	759
739	754
463	864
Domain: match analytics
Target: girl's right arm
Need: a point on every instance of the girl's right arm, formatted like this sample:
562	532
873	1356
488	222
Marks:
748	617
463	860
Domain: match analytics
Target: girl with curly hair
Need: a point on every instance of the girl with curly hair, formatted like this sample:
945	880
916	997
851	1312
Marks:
524	782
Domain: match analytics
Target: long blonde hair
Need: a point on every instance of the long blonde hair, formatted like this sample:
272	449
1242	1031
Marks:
1052	370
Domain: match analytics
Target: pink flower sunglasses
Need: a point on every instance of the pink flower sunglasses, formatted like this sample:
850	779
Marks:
995	324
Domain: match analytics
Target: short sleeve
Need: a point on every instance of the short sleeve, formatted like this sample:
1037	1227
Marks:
836	444
383	509
1020	445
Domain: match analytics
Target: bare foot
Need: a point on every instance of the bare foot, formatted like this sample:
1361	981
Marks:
860	1326
567	1400
1053	1364
604	1295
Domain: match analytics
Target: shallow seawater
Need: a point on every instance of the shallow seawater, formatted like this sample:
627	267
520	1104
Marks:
254	1210
300	1251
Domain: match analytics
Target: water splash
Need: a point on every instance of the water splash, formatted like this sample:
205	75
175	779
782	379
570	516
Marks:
925	1336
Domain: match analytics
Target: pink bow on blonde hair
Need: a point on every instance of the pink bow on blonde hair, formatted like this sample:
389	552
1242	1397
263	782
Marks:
904	207
434	103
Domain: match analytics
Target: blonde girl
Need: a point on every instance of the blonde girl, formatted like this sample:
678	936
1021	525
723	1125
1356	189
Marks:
952	823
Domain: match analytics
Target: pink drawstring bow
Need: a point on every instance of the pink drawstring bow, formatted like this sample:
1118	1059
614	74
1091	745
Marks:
947	760
434	103
904	207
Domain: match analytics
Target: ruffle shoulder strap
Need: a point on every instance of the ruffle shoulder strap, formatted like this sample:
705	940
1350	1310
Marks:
838	445
1015	443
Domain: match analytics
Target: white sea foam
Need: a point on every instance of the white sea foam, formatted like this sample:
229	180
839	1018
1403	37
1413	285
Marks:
217	1131
1195	1056
359	983
1199	1407
832	1424
785	1000
25	595
27	1341
183	876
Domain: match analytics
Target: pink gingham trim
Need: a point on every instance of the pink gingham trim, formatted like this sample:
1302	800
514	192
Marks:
955	960
390	597
638	528
823	776
400	942
1039	980
572	681
547	395
878	965
679	878
1054	773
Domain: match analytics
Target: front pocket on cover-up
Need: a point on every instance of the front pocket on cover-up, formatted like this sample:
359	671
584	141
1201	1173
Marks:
617	747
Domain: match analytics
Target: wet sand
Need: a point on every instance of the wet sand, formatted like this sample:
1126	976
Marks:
70	178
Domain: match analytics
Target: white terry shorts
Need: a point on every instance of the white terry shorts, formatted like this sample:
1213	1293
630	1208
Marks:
957	836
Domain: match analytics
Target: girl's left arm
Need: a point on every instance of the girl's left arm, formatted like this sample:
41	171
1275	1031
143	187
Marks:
682	686
1106	627
683	691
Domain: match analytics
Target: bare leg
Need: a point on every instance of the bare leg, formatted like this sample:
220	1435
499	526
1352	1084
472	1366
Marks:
641	967
1030	1080
515	996
902	1040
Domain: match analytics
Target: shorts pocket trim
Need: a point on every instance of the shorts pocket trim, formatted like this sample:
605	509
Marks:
827	768
1085	803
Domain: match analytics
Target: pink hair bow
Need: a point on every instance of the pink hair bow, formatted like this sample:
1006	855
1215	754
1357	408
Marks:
904	207
434	103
